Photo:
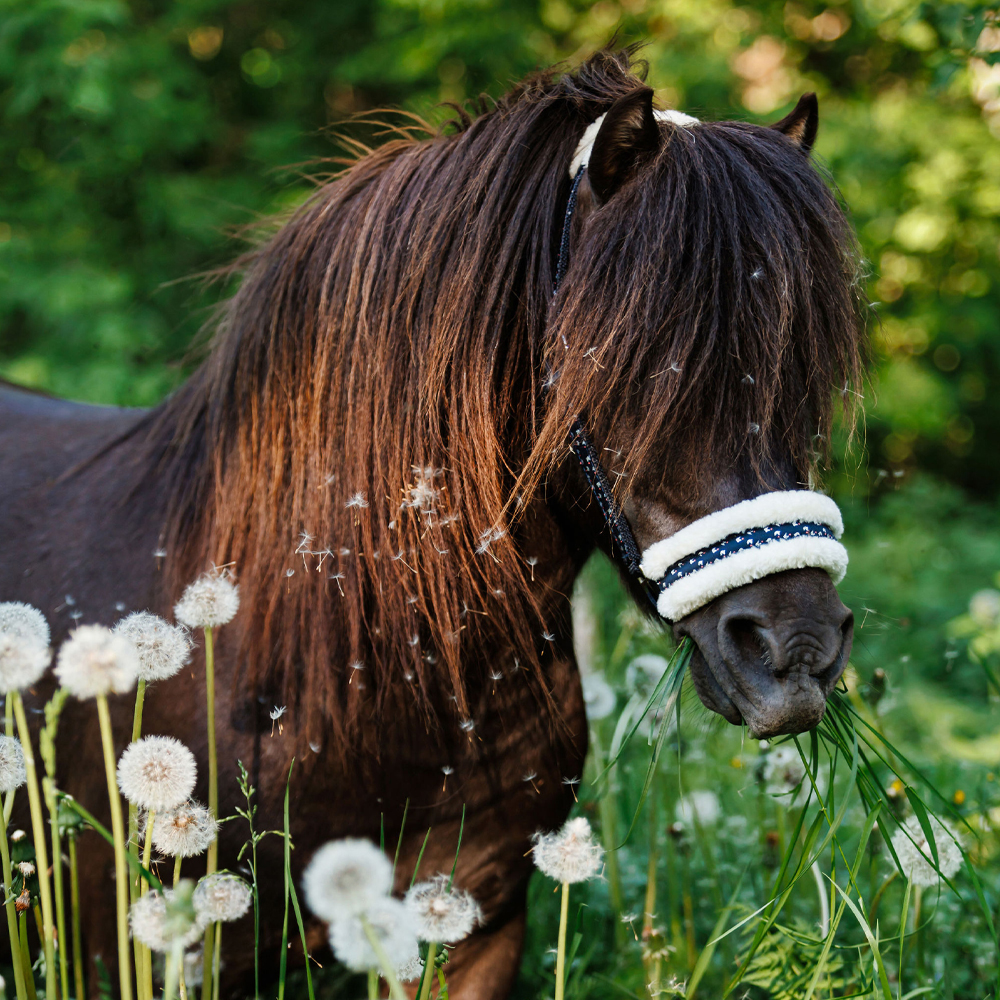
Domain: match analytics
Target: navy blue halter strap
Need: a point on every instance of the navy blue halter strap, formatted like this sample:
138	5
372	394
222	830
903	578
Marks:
753	538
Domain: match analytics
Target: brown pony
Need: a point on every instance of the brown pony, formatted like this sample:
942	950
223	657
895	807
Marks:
377	443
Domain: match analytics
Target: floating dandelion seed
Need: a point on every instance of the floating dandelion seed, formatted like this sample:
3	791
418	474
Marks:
157	772
162	920
549	636
916	859
446	770
12	772
571	783
159	553
338	577
163	648
23	660
184	832
345	877
24	621
467	725
423	494
212	600
414	640
487	538
442	913
94	662
529	779
276	714
532	561
221	898
569	854
390	922
357	501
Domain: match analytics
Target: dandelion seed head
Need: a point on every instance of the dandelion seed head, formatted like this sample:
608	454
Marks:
26	868
916	859
221	896
212	600
570	854
23	660
157	772
159	920
94	661
598	696
410	971
19	619
442	913
163	648
392	924
184	832
345	877
701	806
12	773
783	770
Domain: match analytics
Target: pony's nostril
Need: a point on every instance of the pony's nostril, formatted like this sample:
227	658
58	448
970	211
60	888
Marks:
746	639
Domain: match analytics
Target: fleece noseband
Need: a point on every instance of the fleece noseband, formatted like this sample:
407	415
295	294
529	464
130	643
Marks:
788	529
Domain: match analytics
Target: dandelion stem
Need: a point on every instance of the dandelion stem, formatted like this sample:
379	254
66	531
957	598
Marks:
174	958
217	960
15	941
41	851
145	988
8	728
29	980
74	905
118	832
561	946
373	984
428	977
177	870
213	801
388	972
134	884
57	886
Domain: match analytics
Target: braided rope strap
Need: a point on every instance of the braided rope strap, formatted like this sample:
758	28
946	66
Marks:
790	529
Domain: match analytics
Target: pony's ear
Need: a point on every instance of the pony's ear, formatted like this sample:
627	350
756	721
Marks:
628	131
801	123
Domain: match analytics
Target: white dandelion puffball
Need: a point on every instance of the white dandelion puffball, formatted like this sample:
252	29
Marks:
19	619
644	673
346	876
212	600
184	832
194	964
915	857
442	913
598	696
12	773
161	920
411	971
94	661
163	648
783	770
393	926
221	897
700	806
157	772
570	854
23	660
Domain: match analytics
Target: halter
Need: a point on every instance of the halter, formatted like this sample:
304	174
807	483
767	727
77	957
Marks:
772	532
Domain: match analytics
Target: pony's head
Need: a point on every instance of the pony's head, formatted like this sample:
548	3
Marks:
394	381
709	318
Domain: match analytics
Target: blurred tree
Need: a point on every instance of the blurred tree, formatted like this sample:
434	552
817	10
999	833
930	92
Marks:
138	136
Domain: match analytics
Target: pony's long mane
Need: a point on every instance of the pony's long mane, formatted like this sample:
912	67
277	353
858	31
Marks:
370	419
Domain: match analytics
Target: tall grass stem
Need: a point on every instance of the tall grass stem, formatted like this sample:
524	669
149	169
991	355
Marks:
121	862
41	851
428	977
29	980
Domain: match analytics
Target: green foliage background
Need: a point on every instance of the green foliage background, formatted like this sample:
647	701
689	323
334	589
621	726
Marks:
138	137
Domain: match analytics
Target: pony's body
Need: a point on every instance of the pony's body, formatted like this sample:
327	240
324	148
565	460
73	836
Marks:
371	445
88	551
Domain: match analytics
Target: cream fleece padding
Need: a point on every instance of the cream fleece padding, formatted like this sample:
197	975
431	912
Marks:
697	589
586	144
769	508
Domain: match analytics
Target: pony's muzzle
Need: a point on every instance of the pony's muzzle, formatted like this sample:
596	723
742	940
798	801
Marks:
770	653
